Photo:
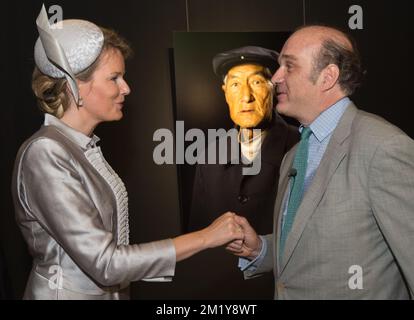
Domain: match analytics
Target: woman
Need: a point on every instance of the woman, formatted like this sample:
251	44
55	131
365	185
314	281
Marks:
71	206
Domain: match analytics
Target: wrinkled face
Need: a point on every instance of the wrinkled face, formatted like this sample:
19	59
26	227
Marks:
249	95
103	95
296	93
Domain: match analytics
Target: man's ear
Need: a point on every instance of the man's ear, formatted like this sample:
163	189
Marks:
223	87
329	77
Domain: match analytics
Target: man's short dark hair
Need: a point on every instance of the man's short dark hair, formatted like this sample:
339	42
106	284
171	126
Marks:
347	60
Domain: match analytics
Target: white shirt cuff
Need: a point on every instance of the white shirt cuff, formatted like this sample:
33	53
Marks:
246	264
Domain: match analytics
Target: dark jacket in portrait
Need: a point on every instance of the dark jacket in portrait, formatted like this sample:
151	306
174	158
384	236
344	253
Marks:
222	187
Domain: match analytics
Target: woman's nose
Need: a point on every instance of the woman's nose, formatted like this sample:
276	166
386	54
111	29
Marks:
125	89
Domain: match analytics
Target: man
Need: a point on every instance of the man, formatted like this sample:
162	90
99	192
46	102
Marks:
246	74
344	214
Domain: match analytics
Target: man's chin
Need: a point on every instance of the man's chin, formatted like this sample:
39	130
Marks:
282	108
248	124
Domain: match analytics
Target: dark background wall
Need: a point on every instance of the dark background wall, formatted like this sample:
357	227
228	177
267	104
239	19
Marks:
128	146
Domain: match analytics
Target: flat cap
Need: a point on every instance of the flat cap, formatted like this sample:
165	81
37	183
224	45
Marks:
224	61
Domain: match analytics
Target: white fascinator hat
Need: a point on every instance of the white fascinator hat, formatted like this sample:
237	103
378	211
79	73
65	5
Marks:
66	49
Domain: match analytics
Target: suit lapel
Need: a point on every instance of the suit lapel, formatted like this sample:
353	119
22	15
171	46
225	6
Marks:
335	152
282	194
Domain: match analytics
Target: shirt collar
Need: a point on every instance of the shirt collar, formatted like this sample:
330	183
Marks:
257	136
327	121
78	137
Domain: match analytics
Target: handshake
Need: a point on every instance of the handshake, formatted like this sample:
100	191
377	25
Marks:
236	233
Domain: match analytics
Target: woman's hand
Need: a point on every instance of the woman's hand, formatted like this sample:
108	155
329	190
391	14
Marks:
221	231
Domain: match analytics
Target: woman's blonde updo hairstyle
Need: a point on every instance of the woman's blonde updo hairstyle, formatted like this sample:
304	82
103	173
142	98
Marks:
53	95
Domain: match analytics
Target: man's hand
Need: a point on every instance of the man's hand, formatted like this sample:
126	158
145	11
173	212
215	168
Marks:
250	246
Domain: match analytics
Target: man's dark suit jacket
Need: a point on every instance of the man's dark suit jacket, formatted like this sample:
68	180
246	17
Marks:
219	188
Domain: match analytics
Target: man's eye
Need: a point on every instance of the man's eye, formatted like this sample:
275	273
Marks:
234	85
257	82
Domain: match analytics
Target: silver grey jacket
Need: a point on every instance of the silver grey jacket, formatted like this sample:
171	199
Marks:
73	219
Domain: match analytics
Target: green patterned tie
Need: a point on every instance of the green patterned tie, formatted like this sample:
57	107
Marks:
296	191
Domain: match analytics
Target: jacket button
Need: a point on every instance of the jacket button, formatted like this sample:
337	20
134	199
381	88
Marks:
243	198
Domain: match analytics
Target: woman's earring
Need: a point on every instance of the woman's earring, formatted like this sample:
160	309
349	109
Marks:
80	102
